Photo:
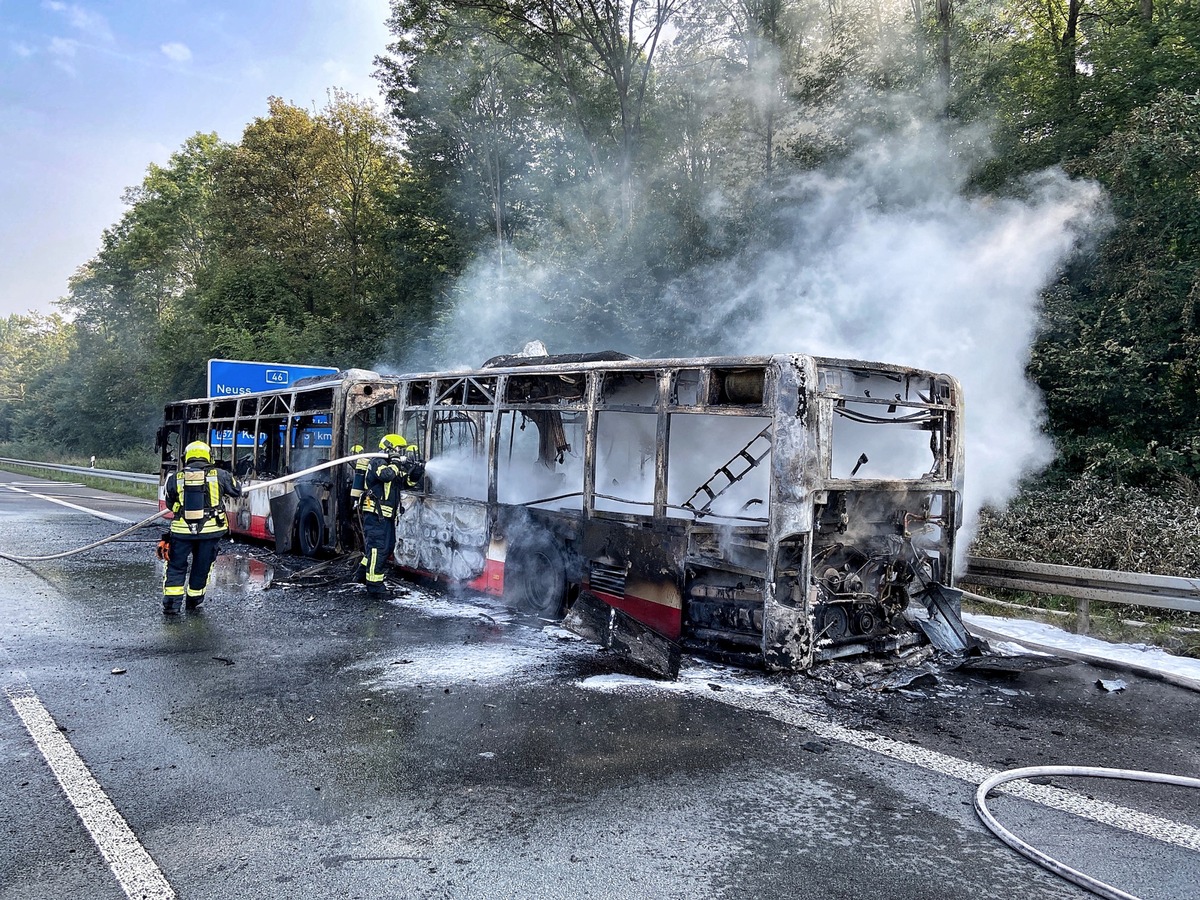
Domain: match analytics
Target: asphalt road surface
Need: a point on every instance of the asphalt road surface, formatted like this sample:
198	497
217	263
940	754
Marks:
298	739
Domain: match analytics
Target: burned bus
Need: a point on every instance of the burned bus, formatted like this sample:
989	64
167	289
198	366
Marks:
768	510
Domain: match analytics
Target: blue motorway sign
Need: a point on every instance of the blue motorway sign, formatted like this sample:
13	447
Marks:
227	377
301	439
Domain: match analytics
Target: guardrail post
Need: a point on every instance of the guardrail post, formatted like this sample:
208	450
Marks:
1083	621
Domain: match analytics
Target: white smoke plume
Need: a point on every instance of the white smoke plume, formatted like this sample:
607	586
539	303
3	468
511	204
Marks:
887	256
889	259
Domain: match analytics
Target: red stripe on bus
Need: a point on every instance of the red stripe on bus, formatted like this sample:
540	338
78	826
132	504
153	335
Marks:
666	620
491	580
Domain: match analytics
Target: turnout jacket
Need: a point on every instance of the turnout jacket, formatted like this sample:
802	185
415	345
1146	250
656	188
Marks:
196	496
386	478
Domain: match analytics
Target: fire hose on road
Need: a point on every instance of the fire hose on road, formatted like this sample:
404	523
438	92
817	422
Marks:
161	513
1048	862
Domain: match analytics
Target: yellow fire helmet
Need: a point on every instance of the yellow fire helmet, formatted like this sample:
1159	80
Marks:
357	448
392	442
197	450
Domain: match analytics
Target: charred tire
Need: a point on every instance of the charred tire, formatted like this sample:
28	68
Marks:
535	577
310	527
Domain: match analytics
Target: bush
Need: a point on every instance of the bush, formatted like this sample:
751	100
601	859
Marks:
1100	524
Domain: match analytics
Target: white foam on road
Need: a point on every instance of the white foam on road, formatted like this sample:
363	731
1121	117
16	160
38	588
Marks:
131	864
1049	639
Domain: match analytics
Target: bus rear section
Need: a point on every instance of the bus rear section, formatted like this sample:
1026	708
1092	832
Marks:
856	553
771	511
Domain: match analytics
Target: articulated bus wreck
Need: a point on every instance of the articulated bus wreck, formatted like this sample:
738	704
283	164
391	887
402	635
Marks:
772	511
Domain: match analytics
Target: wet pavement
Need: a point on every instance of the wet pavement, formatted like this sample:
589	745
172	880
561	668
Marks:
299	739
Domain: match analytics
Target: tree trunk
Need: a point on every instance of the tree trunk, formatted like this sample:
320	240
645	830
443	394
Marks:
943	24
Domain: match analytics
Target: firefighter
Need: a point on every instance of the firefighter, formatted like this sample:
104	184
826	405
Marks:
196	495
385	479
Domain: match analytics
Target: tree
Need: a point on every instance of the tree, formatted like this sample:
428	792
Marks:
469	110
32	348
598	58
362	168
272	198
303	218
1120	369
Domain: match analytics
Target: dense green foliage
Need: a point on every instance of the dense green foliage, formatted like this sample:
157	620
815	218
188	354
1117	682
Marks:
581	159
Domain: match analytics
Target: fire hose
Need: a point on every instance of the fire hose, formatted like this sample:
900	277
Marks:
1048	862
161	513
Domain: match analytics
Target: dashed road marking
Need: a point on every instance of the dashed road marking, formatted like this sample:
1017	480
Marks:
131	864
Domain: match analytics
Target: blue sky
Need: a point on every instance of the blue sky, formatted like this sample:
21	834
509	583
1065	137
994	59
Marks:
92	92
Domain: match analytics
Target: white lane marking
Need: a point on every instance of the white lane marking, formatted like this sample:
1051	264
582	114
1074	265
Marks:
1150	826
42	484
94	512
135	870
767	699
123	498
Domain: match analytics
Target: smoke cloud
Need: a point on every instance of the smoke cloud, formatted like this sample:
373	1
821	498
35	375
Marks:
884	256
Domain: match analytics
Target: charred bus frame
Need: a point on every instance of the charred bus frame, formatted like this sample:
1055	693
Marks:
773	510
770	510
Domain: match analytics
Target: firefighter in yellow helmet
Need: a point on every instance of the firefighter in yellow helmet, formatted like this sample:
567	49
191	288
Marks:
196	496
385	479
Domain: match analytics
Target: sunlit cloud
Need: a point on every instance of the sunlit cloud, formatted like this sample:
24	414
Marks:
176	52
92	24
22	50
63	50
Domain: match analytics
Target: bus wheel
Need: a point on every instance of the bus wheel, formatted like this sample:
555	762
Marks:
310	527
535	577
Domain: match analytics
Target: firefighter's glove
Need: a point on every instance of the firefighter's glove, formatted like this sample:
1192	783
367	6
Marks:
163	548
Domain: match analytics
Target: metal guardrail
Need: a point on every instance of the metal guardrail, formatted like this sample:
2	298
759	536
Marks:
1085	585
1162	591
111	474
